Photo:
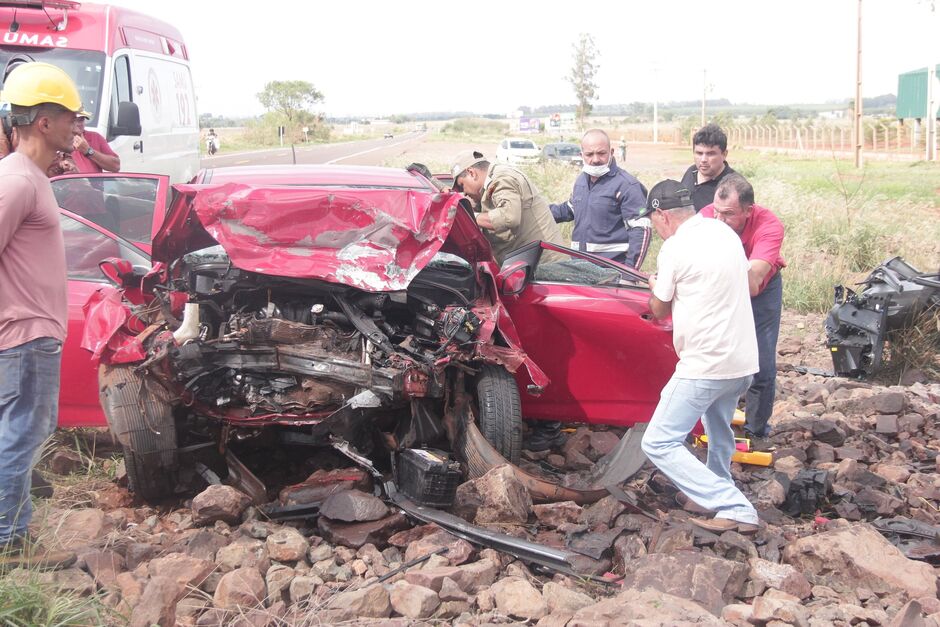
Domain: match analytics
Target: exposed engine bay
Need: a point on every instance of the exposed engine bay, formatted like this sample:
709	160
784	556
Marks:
861	322
278	347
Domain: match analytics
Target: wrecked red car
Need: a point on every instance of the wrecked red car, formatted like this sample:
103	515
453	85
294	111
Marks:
354	303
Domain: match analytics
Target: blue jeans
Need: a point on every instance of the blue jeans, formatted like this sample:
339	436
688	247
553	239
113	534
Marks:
29	408
681	404
759	400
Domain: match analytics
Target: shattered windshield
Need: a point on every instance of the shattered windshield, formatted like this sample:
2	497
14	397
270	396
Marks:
522	145
579	272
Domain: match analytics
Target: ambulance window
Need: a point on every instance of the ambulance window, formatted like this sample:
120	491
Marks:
122	79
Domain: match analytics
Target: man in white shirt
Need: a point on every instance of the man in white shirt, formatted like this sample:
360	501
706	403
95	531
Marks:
702	282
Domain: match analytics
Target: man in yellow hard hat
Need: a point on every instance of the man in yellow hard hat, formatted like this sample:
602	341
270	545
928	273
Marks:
44	103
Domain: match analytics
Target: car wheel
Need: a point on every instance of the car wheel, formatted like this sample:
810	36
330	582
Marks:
140	416
499	410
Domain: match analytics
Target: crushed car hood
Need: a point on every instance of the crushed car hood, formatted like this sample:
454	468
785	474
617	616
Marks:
374	239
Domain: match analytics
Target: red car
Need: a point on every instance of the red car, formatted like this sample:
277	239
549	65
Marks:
324	301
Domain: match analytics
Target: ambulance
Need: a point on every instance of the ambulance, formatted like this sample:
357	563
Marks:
132	72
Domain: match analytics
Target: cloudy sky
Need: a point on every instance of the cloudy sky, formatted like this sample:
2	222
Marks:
380	58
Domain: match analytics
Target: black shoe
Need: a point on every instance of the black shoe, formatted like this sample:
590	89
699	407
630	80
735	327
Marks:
41	488
760	443
543	436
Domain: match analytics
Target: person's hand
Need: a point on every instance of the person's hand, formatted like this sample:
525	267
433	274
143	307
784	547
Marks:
652	281
484	221
80	144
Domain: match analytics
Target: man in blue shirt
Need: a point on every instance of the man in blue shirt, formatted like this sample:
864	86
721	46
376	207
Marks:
604	205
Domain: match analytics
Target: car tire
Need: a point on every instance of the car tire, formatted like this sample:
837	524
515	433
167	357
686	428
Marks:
499	410
141	417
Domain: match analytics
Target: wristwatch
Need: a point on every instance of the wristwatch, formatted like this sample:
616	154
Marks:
89	152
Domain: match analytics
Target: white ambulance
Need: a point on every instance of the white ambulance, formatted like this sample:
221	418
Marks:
132	72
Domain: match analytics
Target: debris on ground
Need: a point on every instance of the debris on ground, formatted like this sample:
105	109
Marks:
851	506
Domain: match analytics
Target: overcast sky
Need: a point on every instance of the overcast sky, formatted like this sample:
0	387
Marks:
380	58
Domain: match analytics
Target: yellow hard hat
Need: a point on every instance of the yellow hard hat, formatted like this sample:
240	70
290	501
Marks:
35	83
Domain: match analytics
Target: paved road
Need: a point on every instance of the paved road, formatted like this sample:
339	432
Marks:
365	152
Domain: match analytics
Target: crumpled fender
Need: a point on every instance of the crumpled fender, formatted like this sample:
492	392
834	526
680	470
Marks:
106	335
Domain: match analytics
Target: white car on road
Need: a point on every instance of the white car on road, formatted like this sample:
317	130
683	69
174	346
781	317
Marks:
517	151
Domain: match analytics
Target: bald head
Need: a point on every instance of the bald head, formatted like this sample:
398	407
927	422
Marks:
595	148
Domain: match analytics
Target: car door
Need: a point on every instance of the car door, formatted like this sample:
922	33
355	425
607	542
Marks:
131	206
586	322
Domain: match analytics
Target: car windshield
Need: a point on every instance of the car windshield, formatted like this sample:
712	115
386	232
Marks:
86	67
522	145
569	150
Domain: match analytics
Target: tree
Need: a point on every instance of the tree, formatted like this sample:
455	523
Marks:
289	98
582	75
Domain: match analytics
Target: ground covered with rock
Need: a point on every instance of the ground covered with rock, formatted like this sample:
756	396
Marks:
850	504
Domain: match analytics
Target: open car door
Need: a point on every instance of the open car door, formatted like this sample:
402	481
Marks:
134	205
586	322
131	206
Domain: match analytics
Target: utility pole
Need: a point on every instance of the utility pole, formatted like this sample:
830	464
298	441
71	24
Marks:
859	138
705	90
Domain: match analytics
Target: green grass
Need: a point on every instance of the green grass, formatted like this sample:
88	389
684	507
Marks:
31	599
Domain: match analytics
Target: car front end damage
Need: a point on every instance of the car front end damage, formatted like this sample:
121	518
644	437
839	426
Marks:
860	323
323	312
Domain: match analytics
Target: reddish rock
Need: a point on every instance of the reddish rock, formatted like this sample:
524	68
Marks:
241	588
458	550
887	425
370	602
353	506
243	553
219	502
481	573
355	535
321	484
413	601
501	497
433	578
643	607
765	610
157	605
406	537
603	442
186	570
779	576
857	555
557	514
711	582
78	528
104	567
287	545
518	598
603	512
561	599
66	461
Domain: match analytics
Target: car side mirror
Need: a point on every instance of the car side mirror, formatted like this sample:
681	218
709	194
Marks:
128	120
513	278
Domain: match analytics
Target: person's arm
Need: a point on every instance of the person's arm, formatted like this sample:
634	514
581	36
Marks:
632	201
17	195
563	211
765	250
758	271
662	285
103	156
660	309
506	214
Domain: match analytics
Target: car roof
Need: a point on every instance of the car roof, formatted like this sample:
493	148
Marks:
314	176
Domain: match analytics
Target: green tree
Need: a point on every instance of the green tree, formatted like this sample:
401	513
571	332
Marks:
582	75
289	98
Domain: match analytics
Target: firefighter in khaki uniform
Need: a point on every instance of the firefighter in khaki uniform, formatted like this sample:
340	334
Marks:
513	212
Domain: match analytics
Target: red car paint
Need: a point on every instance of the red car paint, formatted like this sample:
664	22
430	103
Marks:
604	355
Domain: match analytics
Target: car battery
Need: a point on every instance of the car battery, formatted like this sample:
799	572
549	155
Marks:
428	477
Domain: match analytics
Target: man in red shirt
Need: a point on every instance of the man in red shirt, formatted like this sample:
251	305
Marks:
761	233
91	152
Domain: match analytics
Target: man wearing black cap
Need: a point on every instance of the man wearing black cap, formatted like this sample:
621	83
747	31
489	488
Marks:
702	282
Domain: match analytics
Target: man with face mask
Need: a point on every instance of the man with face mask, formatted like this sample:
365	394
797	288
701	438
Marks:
604	205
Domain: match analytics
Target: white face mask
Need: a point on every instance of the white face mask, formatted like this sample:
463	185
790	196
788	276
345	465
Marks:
596	170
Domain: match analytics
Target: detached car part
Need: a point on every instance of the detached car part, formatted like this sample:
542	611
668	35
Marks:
860	322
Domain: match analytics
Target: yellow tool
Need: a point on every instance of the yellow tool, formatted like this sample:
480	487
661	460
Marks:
738	419
754	458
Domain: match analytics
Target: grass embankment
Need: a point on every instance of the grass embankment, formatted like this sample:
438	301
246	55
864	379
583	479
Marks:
840	222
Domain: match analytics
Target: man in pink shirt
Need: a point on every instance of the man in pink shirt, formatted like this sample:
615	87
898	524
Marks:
761	233
33	294
91	152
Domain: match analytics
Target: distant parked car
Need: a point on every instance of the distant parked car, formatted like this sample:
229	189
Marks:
514	151
568	153
388	136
